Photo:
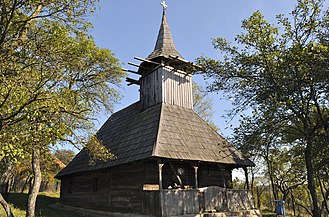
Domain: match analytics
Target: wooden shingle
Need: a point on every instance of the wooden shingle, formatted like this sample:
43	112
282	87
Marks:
164	131
165	45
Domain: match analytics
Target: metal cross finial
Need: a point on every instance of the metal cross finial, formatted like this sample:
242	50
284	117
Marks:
163	3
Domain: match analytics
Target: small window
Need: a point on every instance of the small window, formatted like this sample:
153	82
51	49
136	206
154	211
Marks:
95	185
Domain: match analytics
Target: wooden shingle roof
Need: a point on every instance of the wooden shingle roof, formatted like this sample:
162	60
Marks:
165	45
185	135
164	131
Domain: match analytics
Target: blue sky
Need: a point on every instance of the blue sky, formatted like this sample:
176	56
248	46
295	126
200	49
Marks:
129	28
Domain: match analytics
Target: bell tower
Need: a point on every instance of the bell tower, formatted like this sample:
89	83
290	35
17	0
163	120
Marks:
166	77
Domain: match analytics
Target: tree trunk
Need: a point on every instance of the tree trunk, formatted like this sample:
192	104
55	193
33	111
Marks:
273	187
325	195
32	198
246	176
5	190
10	183
3	202
270	173
310	179
27	180
252	185
6	206
293	203
285	195
16	182
258	197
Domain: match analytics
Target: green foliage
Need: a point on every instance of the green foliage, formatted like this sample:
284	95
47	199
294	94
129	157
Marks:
53	78
97	151
203	105
280	74
64	155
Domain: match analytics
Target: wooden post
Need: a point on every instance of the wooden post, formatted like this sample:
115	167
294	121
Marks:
196	177
160	176
161	202
246	175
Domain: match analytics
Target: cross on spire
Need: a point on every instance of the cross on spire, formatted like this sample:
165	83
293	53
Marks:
164	5
165	45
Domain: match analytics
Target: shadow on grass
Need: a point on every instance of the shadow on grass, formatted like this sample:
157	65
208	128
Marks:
18	200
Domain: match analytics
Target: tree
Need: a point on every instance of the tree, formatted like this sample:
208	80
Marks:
53	80
203	105
64	155
281	74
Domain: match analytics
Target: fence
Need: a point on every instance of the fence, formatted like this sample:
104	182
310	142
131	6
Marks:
221	199
183	202
180	202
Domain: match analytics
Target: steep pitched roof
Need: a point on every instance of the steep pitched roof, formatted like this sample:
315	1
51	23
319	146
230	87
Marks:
165	45
129	134
185	135
165	131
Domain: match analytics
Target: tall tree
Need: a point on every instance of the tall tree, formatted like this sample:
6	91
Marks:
53	80
281	74
203	105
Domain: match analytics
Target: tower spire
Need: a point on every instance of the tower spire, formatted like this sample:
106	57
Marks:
165	45
164	5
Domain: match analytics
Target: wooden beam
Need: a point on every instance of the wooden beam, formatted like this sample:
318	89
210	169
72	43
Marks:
185	61
246	176
132	81
196	177
160	165
145	60
128	70
159	66
139	66
178	58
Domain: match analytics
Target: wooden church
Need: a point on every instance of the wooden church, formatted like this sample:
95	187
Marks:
162	147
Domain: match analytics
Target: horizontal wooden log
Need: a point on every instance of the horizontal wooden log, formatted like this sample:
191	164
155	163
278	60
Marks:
139	66
132	81
145	60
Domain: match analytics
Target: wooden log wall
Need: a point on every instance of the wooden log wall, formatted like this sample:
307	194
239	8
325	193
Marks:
80	190
125	194
212	175
166	85
151	89
115	189
124	189
177	88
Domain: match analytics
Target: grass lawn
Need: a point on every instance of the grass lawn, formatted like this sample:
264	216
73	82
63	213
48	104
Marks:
18	204
45	199
268	214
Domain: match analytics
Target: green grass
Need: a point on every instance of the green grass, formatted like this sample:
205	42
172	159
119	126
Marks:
44	200
44	209
268	214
